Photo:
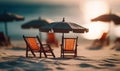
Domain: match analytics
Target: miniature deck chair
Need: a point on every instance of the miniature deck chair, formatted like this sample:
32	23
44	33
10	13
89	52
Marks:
99	43
116	44
105	40
51	39
69	46
34	45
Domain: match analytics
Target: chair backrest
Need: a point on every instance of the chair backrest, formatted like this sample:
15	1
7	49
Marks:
104	36
33	42
69	43
51	37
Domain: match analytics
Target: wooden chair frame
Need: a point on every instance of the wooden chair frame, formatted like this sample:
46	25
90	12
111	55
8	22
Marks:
67	51
41	48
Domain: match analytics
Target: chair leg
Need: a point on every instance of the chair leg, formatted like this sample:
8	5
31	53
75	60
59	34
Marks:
52	54
51	51
26	53
33	53
45	54
61	54
76	54
40	54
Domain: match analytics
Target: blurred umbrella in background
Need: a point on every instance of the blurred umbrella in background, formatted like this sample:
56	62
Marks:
36	24
9	17
108	18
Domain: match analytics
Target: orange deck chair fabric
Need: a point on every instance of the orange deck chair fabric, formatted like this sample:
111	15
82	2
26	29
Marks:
69	45
34	45
105	40
51	39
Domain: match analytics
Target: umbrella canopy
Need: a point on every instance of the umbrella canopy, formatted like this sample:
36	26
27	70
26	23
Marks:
63	27
9	17
108	18
36	24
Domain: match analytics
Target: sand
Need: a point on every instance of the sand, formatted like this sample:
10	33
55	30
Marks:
105	59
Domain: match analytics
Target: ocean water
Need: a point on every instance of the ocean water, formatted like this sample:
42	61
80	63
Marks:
54	12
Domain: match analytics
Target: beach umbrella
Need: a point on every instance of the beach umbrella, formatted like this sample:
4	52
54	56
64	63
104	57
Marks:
108	18
36	24
9	17
63	27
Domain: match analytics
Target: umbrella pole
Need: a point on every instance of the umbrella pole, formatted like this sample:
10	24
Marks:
62	35
109	28
6	32
62	38
40	35
109	32
62	43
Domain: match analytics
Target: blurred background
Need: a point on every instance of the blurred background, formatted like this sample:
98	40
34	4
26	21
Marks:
77	11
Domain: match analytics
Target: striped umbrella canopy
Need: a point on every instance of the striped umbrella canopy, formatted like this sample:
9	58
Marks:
63	27
108	18
36	23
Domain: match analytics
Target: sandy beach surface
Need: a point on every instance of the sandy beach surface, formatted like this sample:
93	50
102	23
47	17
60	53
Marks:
13	59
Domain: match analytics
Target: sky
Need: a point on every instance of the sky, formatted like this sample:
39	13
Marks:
114	4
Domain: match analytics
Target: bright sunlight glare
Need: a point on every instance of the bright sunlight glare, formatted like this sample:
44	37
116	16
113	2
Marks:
92	9
117	31
95	30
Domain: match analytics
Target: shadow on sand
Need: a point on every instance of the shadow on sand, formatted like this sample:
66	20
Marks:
94	48
83	58
17	48
113	61
86	65
14	63
116	49
107	65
